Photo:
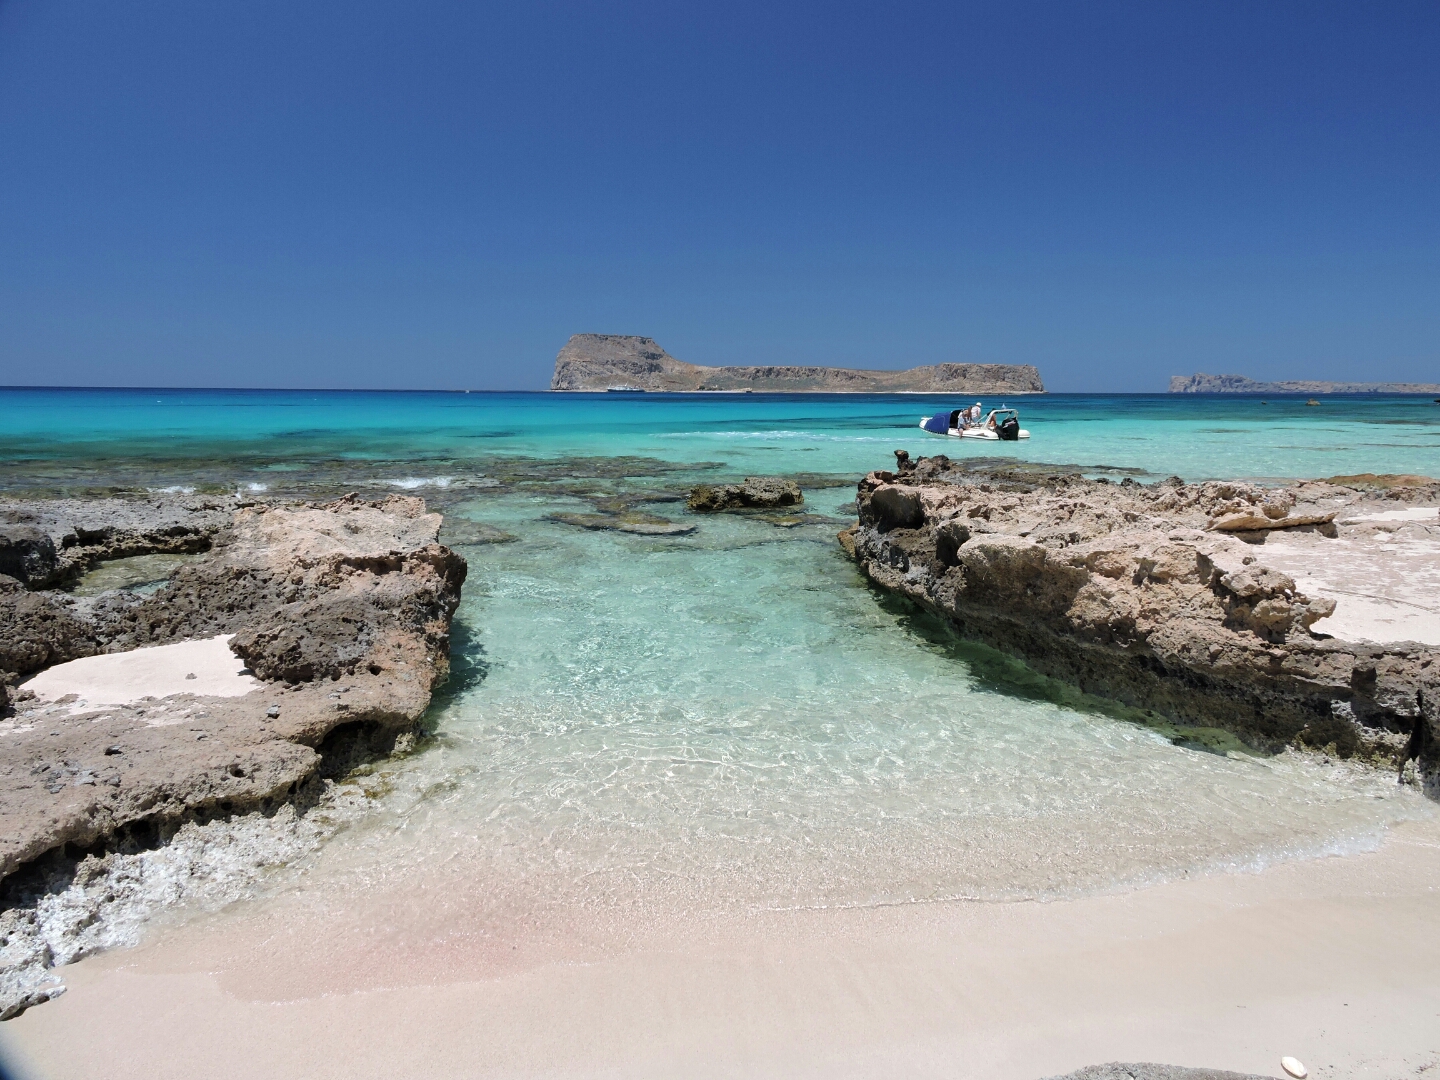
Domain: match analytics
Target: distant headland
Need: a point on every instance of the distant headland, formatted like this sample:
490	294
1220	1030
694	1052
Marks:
600	362
1239	384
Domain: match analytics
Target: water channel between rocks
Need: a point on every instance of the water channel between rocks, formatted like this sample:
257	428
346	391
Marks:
732	720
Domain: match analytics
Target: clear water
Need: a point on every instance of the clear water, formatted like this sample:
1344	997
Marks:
732	719
96	435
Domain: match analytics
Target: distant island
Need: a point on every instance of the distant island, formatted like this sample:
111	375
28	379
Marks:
1239	384
600	362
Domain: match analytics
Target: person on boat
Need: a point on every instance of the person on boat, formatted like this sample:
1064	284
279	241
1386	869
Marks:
972	414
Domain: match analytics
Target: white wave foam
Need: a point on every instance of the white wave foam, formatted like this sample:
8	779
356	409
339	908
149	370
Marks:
173	489
410	483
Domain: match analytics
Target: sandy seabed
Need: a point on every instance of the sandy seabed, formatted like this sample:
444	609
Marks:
1334	961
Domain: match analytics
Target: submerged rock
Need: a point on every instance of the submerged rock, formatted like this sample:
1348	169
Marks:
461	532
637	523
1166	597
756	493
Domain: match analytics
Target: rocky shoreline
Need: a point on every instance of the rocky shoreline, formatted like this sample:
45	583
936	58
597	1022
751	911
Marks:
1179	599
316	632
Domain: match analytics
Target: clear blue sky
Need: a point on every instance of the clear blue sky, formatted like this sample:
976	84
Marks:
436	194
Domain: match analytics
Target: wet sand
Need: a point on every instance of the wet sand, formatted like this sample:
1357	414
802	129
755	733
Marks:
1334	961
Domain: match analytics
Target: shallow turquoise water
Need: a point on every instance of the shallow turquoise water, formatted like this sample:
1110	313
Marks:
732	718
1193	436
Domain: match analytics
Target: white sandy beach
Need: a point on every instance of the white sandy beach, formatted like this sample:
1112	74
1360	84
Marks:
1334	961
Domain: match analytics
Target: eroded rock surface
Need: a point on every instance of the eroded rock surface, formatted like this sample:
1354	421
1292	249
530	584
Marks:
341	610
1150	596
756	493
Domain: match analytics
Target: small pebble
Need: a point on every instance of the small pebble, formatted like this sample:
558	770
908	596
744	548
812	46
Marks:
191	675
1294	1068
273	711
113	750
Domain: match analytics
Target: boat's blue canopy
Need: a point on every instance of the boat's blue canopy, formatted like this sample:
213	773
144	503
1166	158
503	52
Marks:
939	423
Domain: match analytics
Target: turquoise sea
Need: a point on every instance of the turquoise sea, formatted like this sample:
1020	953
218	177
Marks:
84	432
733	719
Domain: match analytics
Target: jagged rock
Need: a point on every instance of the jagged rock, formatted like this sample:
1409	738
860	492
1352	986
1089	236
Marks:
82	533
624	362
1270	516
27	552
349	603
1125	591
40	629
895	508
756	493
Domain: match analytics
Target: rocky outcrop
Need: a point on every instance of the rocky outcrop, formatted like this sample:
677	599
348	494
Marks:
344	607
1239	384
51	543
1148	595
620	362
341	611
756	493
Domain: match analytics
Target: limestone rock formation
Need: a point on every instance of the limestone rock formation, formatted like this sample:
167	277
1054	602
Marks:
756	493
351	599
1240	384
599	362
1148	595
341	610
53	542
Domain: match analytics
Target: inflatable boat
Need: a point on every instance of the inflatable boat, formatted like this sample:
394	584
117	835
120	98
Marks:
1002	425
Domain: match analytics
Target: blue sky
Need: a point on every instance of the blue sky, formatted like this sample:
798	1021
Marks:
435	194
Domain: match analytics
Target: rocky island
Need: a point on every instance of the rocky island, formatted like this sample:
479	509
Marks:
295	641
1240	384
1294	616
600	362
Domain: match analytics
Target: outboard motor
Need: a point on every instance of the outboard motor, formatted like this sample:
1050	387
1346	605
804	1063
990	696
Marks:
1009	429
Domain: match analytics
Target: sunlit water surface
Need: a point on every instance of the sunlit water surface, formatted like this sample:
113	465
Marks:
732	719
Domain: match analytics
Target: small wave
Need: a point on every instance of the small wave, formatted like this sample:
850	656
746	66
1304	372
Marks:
410	483
253	489
173	489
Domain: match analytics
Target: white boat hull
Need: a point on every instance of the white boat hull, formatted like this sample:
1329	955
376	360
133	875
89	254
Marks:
983	434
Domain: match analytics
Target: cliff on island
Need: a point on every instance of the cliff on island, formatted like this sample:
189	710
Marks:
295	642
598	362
1300	616
1239	384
